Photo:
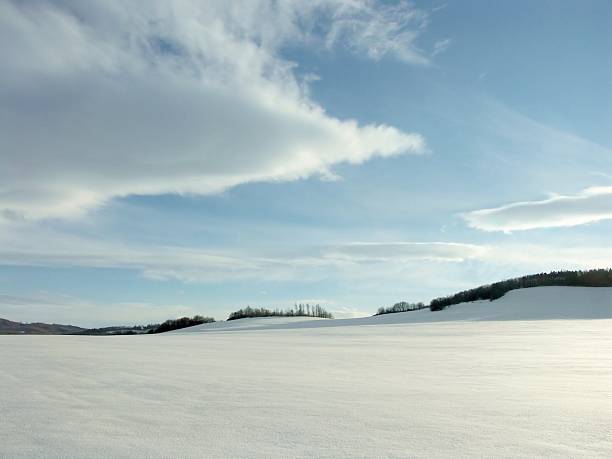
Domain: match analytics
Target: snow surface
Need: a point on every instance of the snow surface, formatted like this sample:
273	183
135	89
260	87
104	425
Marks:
485	379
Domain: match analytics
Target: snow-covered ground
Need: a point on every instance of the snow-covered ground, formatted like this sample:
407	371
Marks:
499	379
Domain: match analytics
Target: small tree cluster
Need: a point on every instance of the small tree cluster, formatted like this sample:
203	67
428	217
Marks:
591	278
402	306
298	310
183	322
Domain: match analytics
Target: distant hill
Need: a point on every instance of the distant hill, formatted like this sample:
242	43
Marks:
589	278
8	327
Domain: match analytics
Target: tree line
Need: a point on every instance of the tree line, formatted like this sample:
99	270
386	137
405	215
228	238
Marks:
298	310
402	306
119	330
183	322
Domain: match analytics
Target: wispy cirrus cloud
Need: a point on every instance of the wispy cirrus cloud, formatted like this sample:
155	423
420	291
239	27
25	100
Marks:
440	46
589	206
406	251
25	244
378	29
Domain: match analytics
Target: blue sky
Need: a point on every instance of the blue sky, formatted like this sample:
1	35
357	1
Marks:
175	158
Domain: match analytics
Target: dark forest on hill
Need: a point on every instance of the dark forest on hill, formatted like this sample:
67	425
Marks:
183	322
590	278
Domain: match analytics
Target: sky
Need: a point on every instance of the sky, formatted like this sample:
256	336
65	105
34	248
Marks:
170	158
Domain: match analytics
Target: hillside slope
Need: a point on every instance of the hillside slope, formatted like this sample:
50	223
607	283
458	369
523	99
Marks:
537	303
8	327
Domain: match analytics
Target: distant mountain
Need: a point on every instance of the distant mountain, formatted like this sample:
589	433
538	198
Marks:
8	327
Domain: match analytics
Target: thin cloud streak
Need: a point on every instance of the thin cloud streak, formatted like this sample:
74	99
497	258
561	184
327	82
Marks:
26	245
589	206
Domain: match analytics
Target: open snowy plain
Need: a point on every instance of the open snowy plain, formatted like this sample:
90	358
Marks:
529	375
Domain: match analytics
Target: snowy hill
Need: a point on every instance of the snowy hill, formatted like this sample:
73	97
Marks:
538	303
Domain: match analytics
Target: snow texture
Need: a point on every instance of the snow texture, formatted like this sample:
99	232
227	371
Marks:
486	379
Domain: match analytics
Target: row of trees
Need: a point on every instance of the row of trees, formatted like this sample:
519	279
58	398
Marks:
590	278
402	306
183	322
119	330
298	310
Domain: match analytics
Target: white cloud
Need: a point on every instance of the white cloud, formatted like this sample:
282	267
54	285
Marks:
24	243
107	99
589	206
405	251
